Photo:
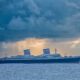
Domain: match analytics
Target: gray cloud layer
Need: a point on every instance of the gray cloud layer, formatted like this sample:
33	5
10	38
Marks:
20	19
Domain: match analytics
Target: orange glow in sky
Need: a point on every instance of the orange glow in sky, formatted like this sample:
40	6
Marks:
35	45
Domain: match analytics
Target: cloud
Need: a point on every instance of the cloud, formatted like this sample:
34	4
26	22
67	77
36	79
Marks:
17	24
75	43
57	19
72	4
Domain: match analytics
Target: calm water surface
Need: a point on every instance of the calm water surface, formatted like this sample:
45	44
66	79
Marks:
39	71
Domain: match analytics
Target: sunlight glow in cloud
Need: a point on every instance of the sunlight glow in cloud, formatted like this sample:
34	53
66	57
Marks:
75	43
35	45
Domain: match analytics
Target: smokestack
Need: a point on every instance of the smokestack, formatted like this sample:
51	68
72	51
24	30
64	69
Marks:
55	51
27	52
46	51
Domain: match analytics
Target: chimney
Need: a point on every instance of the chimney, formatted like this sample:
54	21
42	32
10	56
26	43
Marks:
55	51
46	51
27	52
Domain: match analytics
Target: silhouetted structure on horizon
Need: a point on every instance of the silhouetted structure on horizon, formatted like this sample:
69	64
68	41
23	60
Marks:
46	51
45	58
27	52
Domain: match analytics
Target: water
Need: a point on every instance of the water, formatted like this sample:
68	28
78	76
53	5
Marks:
39	71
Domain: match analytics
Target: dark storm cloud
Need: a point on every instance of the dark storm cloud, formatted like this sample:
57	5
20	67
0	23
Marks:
20	19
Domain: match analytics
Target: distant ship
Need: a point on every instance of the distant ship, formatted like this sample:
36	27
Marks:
45	58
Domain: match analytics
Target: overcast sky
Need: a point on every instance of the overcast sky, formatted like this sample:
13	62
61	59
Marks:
55	23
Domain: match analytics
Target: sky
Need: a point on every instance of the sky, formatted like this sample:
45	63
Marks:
38	24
